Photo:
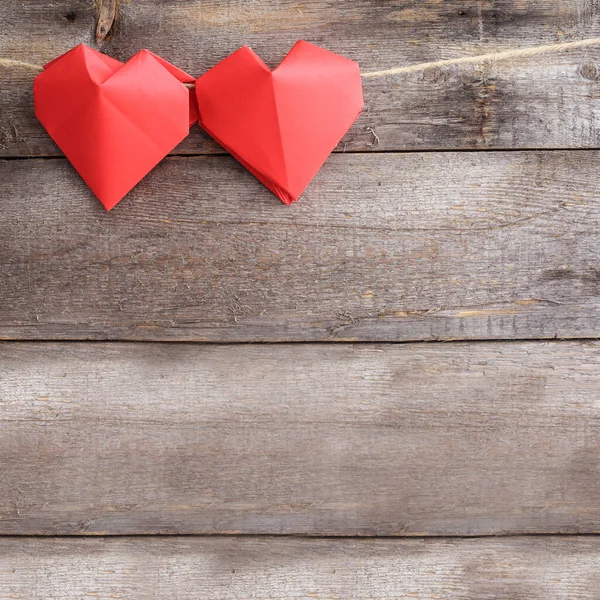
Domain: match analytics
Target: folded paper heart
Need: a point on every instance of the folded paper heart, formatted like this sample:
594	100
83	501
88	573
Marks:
114	122
281	124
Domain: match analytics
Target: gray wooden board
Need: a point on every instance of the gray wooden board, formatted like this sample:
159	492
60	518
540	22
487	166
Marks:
388	247
318	439
542	102
229	568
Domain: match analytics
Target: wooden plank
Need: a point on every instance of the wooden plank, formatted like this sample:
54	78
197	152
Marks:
388	247
336	439
547	102
539	568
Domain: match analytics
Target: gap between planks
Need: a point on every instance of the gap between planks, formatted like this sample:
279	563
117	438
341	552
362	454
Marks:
349	152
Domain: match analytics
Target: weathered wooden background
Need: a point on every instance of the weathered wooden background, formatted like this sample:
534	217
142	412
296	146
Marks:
460	216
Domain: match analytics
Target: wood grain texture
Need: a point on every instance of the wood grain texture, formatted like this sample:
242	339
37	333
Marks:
278	569
386	247
548	102
318	439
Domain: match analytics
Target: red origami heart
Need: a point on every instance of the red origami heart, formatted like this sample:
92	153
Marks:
281	124
113	121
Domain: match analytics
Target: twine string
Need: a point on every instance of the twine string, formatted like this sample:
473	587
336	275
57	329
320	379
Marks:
491	57
464	60
9	62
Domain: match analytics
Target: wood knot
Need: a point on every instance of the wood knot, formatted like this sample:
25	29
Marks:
589	71
435	75
107	15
